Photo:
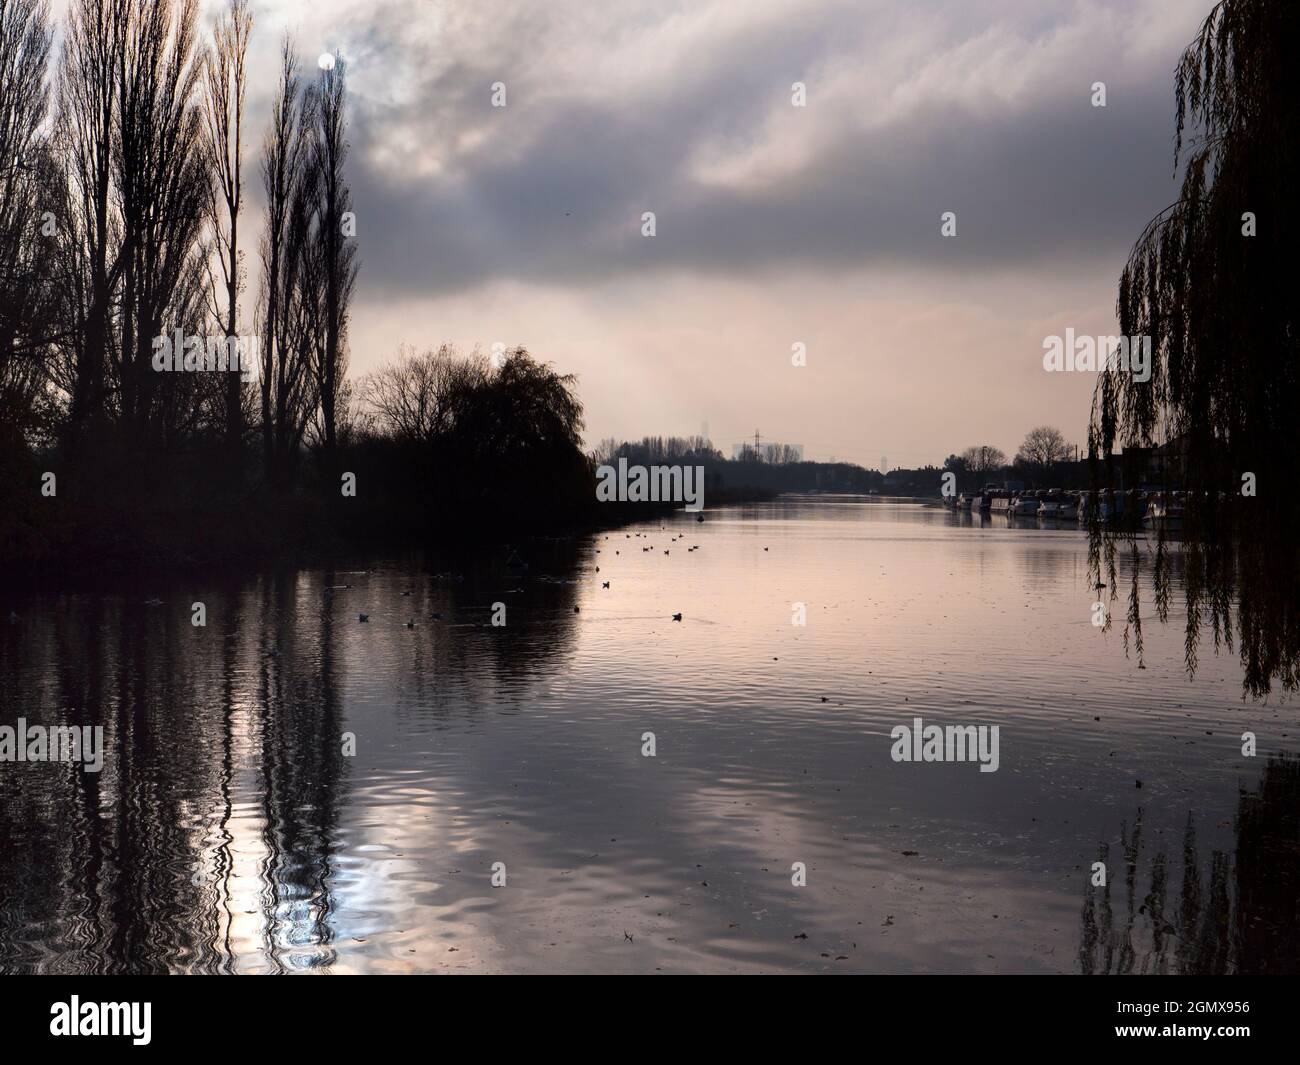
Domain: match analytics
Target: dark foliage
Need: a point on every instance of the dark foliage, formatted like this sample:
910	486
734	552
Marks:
1211	282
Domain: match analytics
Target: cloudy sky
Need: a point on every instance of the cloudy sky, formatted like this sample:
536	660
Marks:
776	224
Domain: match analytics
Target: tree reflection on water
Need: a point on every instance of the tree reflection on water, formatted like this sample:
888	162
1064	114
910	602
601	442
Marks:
1235	913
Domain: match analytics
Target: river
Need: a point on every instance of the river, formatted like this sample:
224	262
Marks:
287	788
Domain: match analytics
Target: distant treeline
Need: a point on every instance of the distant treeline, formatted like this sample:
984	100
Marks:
743	478
730	479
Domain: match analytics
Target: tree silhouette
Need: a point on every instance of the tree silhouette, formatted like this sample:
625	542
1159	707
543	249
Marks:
1043	446
1210	282
227	80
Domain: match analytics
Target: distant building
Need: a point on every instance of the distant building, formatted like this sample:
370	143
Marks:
1163	464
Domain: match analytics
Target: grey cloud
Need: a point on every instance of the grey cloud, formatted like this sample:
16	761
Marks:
558	198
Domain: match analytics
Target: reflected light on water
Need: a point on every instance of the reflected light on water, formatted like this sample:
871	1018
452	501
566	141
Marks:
229	832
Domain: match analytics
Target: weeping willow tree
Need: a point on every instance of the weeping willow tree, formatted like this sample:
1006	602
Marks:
1212	282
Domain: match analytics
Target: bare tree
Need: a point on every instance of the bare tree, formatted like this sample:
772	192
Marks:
420	397
224	111
984	459
162	186
337	249
88	98
1044	446
25	250
279	170
302	299
288	393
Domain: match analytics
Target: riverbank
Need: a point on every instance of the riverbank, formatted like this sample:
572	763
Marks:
98	519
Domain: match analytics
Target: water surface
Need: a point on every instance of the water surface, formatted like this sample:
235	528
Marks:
228	831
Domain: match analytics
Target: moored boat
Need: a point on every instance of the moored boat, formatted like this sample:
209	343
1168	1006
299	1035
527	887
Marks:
1050	506
1025	505
1164	513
